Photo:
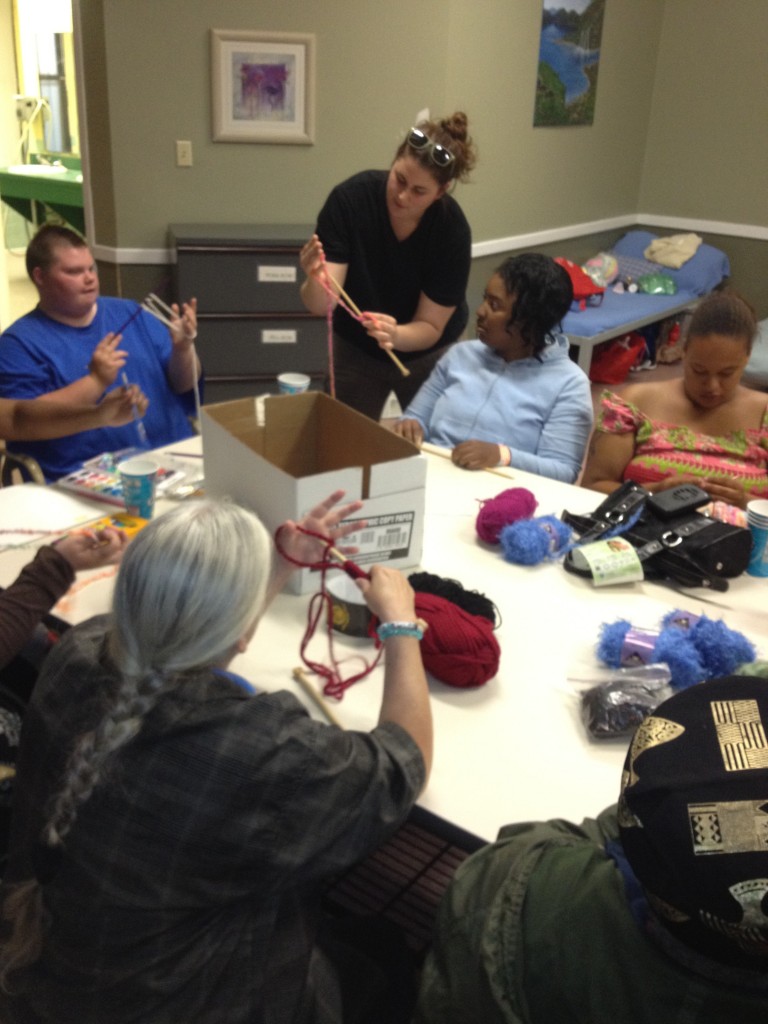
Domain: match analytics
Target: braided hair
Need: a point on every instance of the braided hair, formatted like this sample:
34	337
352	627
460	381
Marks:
190	585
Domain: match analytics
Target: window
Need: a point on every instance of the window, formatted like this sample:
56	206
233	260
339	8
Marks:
53	89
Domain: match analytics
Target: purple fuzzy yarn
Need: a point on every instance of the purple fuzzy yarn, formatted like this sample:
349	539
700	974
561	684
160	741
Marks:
531	541
508	507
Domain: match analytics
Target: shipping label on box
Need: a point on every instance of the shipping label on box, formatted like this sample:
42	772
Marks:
384	538
302	448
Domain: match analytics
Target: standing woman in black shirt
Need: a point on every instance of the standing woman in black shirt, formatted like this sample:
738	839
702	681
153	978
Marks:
400	246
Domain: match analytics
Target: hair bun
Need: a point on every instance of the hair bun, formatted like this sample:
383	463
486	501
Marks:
456	125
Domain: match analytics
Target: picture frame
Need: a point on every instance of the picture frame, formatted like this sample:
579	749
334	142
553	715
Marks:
263	87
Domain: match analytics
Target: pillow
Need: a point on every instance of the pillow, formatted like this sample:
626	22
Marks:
630	267
700	274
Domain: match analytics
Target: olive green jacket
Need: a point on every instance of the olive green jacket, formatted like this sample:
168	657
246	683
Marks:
536	929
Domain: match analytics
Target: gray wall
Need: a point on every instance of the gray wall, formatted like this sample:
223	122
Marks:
377	65
706	152
679	128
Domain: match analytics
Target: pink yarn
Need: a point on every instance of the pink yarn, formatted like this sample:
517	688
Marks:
507	507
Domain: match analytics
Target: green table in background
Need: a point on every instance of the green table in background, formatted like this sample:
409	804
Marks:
58	187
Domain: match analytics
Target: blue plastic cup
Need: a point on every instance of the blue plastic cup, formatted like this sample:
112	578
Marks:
758	560
138	477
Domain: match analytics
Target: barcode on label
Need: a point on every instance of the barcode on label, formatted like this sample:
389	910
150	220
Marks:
385	535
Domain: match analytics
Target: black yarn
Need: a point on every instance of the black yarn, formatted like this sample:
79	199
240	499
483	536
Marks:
471	601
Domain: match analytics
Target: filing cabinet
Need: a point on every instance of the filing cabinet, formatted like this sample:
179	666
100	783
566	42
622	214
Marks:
252	324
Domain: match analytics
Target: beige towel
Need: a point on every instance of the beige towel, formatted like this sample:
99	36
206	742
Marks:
673	251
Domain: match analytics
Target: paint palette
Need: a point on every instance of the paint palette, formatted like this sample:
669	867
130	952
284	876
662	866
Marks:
103	484
130	525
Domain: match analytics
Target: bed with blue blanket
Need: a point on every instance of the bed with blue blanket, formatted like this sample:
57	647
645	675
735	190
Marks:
620	313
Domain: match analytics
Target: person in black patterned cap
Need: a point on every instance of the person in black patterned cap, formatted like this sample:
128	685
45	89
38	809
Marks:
657	911
693	821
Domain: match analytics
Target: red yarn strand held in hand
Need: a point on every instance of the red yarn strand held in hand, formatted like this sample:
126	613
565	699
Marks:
459	648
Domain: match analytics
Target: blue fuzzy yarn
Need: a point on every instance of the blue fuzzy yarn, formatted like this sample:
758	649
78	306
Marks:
611	640
532	541
674	647
721	649
686	667
704	650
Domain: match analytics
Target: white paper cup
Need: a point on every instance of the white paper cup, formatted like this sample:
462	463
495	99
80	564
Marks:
757	512
292	383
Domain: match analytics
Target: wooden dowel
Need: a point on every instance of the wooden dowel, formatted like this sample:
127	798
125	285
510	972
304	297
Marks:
155	300
301	678
335	284
444	453
402	368
356	310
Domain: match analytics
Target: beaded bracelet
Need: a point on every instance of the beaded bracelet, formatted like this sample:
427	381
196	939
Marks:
387	629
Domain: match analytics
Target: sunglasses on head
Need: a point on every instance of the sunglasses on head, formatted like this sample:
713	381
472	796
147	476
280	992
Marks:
419	140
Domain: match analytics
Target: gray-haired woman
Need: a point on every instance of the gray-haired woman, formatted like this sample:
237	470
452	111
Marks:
173	826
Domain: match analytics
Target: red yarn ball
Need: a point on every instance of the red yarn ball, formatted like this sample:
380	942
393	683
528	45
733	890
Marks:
507	507
459	648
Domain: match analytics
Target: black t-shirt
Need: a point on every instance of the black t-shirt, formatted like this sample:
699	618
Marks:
388	276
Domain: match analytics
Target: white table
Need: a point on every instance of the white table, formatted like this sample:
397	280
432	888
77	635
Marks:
514	749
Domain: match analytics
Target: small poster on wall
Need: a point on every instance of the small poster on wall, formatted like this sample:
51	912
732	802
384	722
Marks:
569	60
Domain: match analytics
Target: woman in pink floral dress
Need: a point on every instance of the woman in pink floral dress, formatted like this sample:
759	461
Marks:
703	428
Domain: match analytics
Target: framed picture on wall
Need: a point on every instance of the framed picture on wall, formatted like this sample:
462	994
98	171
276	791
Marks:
262	86
569	61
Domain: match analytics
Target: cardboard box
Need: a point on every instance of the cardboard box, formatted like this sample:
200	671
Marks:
281	455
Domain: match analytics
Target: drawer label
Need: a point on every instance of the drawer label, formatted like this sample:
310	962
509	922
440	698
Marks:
275	337
276	275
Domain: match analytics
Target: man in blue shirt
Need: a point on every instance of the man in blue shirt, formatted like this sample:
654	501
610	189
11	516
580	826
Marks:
76	345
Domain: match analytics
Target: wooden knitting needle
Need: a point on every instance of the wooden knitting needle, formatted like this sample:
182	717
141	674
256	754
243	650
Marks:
355	572
352	570
340	291
301	678
444	453
401	366
355	309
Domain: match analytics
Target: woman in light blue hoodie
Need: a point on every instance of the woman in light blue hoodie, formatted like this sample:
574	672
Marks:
513	396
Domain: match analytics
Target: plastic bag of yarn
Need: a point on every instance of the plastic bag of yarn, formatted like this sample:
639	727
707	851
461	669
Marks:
603	269
507	507
614	709
532	541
